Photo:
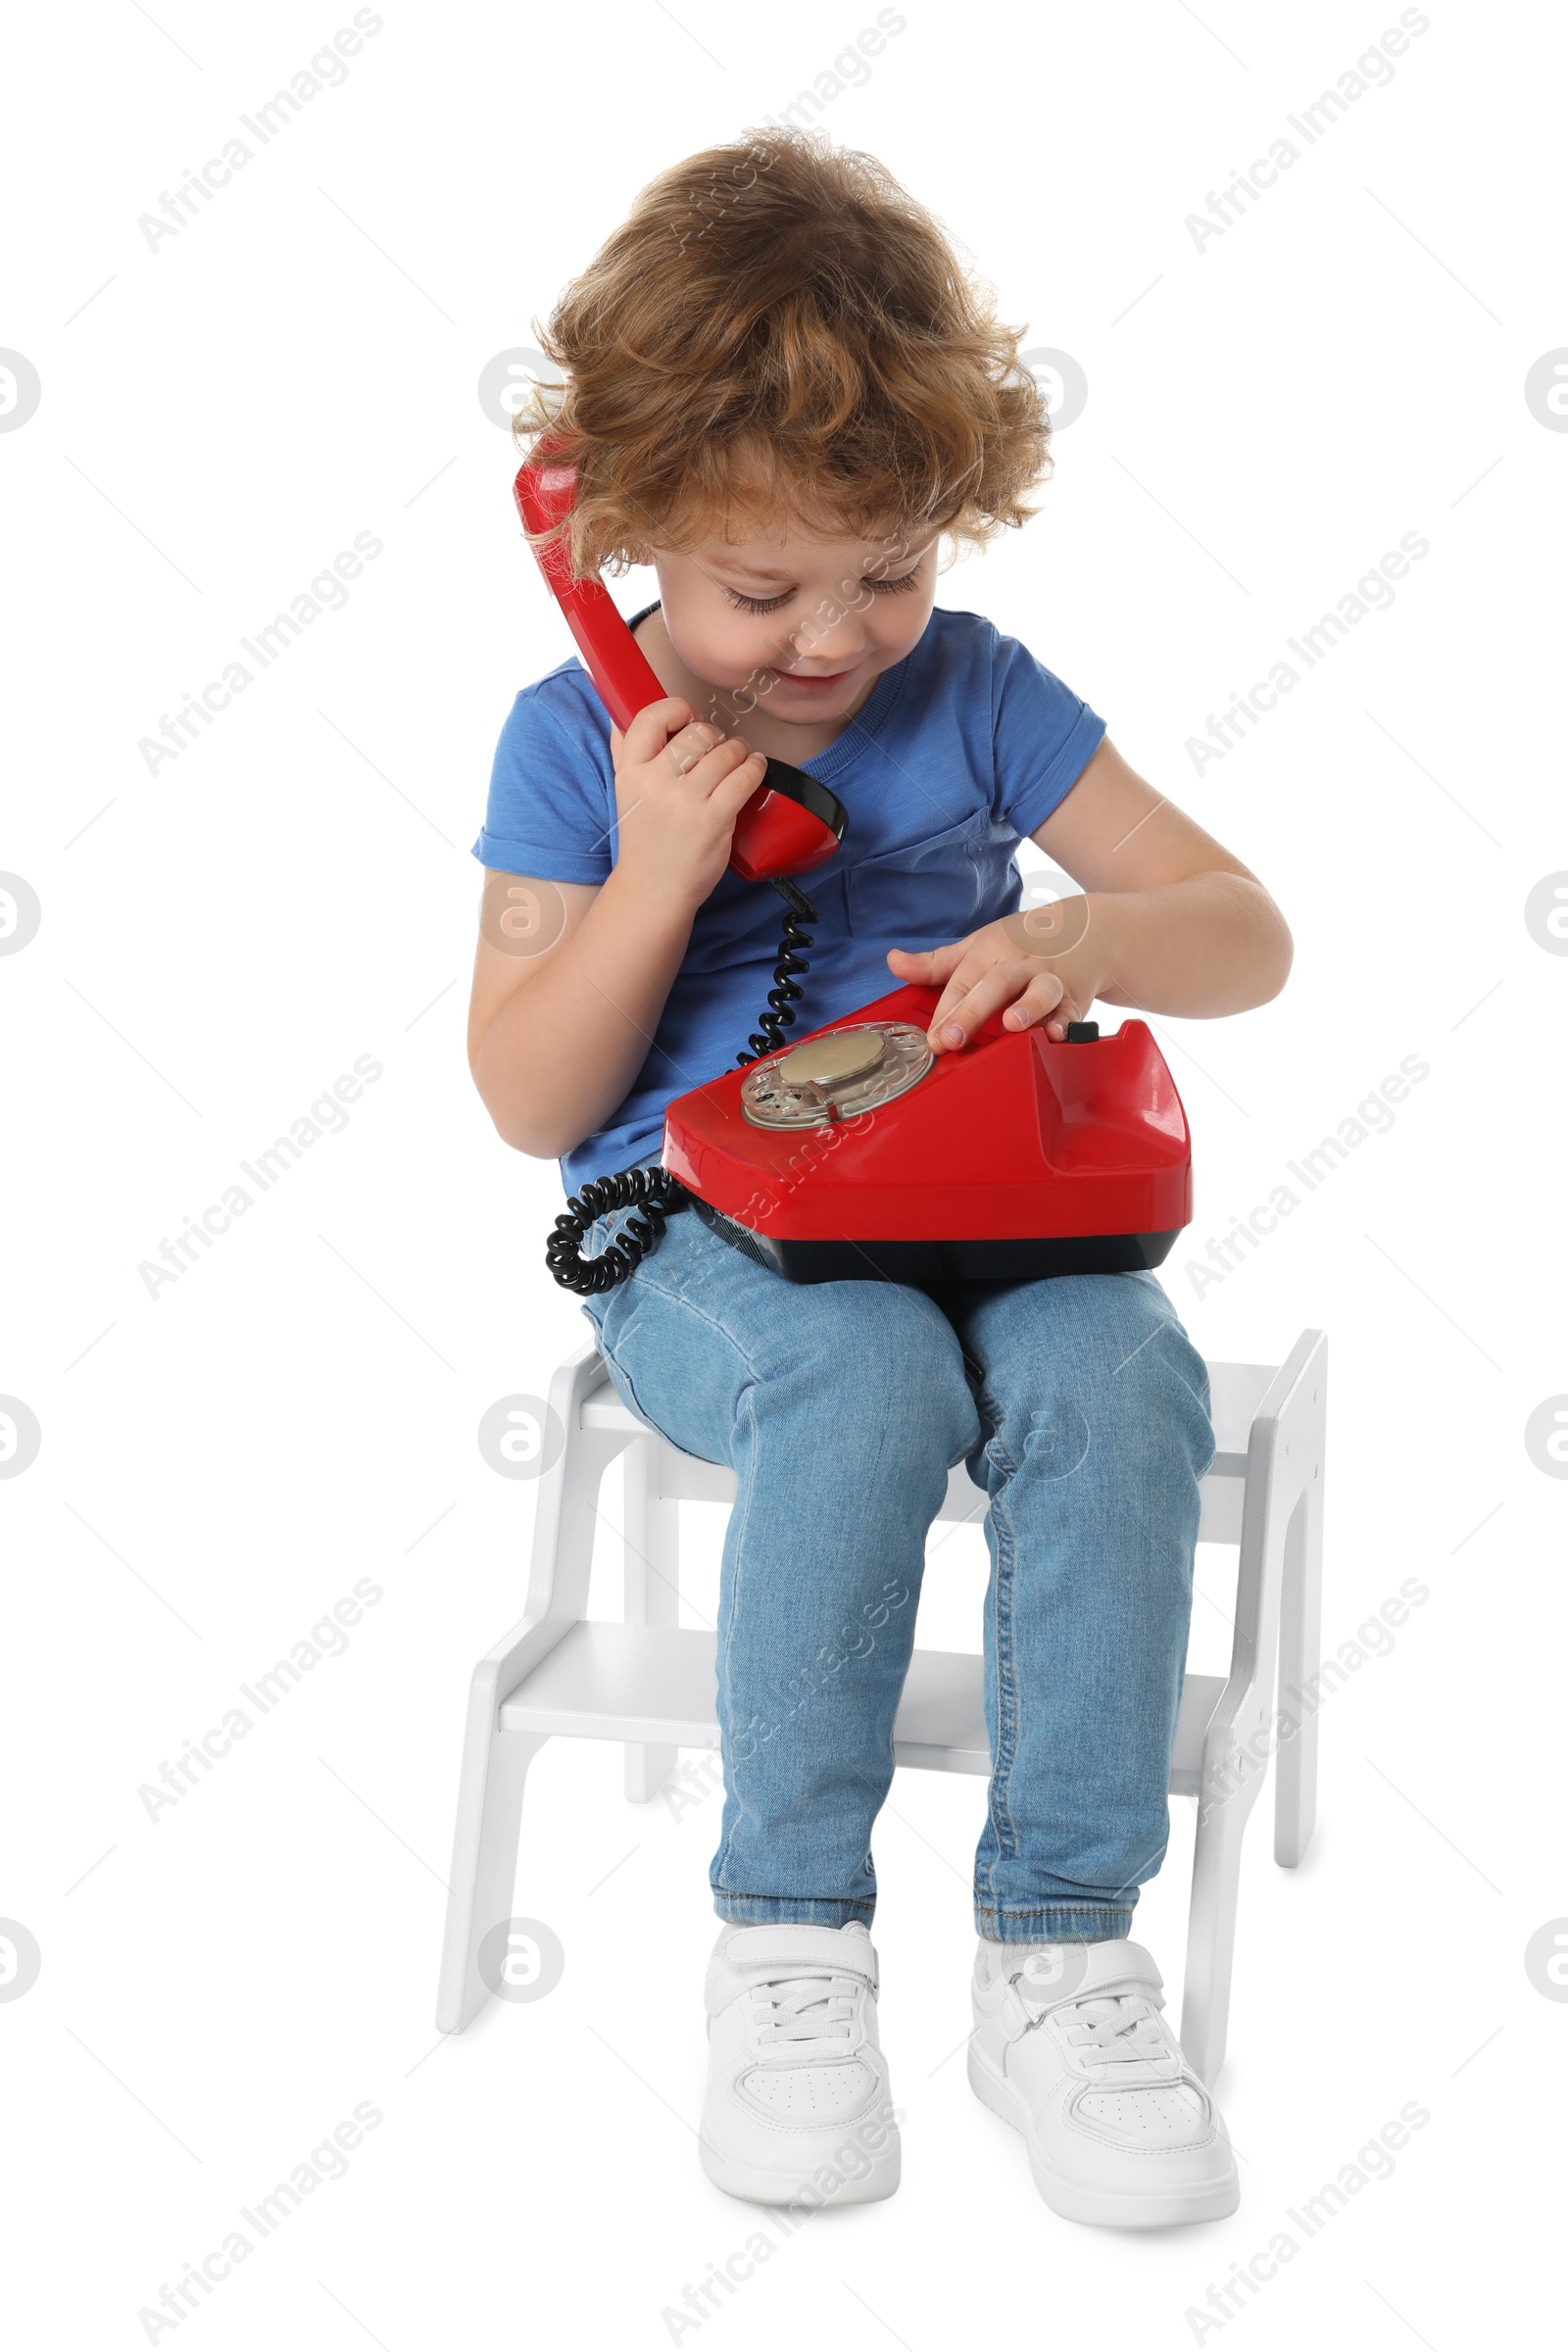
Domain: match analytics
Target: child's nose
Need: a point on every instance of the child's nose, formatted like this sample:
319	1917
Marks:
827	644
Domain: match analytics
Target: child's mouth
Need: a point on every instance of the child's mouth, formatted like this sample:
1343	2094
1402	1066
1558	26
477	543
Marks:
806	684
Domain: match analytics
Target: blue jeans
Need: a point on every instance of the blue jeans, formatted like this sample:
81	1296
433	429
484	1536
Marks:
1080	1407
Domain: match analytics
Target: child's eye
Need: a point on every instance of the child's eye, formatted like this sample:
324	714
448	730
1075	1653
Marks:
770	604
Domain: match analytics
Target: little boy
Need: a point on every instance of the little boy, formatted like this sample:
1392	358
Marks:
781	388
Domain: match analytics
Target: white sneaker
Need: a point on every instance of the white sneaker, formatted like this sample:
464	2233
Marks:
798	2110
1069	2047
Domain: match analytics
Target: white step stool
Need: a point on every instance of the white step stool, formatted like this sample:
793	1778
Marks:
651	1682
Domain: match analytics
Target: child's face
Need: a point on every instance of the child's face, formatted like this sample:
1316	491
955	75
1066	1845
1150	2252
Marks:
793	622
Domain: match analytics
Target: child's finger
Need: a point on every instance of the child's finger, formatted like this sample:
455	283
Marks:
928	967
687	750
651	728
736	785
1044	999
972	967
953	1024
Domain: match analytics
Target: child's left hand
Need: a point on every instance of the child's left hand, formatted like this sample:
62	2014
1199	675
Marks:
1044	965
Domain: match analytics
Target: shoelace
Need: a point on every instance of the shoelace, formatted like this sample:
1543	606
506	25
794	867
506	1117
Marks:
820	2008
1126	2028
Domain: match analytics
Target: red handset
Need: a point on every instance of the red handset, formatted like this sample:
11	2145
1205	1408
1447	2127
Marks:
791	823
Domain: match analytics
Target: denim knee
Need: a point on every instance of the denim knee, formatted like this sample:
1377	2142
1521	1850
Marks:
1115	1370
1165	1386
860	1350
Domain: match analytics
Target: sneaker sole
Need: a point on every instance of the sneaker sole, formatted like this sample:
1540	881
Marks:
760	2186
1203	2201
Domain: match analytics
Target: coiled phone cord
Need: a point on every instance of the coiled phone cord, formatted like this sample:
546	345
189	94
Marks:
782	998
654	1190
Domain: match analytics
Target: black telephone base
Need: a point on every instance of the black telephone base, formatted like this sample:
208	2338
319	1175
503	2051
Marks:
915	1262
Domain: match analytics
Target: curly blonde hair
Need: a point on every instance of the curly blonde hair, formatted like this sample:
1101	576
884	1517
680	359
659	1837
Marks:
777	322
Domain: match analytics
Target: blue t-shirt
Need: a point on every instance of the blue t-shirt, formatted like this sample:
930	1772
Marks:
960	751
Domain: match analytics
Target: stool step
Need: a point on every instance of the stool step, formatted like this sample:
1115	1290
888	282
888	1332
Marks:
656	1684
1236	1393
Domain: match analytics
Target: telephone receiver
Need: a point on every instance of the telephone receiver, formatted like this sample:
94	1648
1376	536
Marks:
791	823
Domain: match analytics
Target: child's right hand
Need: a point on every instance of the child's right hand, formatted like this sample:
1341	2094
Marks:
680	784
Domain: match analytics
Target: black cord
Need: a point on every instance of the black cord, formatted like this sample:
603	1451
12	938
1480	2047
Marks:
783	996
653	1190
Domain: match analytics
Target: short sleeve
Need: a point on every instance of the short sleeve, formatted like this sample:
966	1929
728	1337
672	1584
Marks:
552	803
1042	737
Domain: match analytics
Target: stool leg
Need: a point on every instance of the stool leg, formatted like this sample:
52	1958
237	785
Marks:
484	1851
651	1538
1301	1628
1211	1932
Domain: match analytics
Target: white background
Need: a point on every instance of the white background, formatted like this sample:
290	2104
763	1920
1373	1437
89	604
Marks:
219	1464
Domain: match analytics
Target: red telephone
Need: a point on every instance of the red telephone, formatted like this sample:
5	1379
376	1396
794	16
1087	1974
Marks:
1014	1158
